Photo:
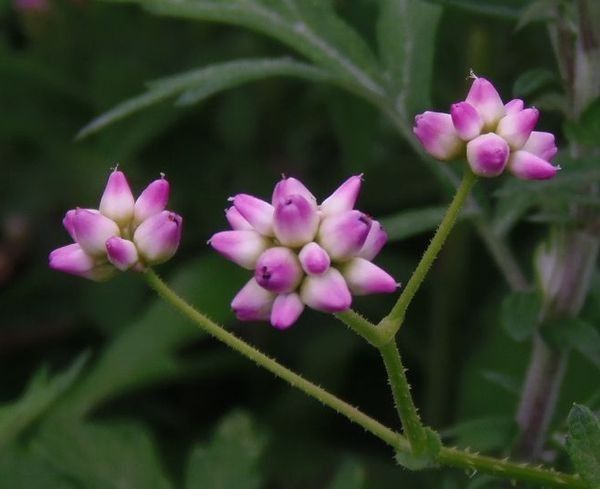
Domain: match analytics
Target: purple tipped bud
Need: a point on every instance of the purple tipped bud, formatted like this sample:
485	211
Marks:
286	310
252	302
242	247
484	97
295	221
343	235
514	106
327	292
541	144
487	155
467	121
92	229
117	201
527	166
122	253
376	238
256	211
516	128
291	186
344	197
437	134
314	259
363	277
73	260
278	270
236	220
68	223
152	200
158	237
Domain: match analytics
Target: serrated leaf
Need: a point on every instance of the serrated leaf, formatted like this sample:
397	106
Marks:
583	443
577	334
40	395
196	85
519	314
532	81
350	475
230	459
485	434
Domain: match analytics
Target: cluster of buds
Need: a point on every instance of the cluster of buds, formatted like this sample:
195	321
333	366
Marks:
124	233
302	253
492	135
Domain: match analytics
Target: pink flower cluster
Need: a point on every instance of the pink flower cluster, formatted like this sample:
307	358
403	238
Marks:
122	234
302	253
493	135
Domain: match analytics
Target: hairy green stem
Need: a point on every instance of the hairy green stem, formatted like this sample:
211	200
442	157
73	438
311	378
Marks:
392	322
361	326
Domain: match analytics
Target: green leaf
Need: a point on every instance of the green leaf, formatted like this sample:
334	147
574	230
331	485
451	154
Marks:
519	314
508	9
230	459
103	456
583	444
533	81
537	11
577	334
40	395
350	475
196	85
485	434
586	131
406	37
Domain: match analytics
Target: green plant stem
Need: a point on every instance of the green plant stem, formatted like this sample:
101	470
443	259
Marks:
361	326
392	322
447	456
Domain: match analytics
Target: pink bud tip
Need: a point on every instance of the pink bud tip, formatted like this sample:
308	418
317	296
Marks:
92	229
437	134
158	237
485	98
375	241
286	310
236	220
117	201
252	302
152	200
314	259
256	211
487	155
327	292
516	128
291	186
122	253
343	198
68	223
527	166
278	270
514	106
295	221
541	144
363	277
73	260
467	121
343	235
241	246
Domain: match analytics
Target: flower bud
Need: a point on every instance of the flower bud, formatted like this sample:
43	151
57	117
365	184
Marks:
295	221
343	235
327	292
514	106
158	237
92	229
467	121
236	220
437	134
122	253
278	270
484	97
117	201
256	211
152	200
516	128
343	198
252	302
541	144
68	221
73	260
527	166
487	155
314	259
363	277
291	186
286	310
242	247
376	238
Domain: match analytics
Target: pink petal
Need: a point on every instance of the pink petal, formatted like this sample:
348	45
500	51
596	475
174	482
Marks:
92	229
343	235
73	260
117	201
286	310
152	200
516	128
376	239
122	253
363	277
278	270
437	134
158	237
467	121
314	259
343	198
295	221
236	220
327	292
256	211
514	106
242	247
527	166
487	155
291	186
541	144
253	303
484	97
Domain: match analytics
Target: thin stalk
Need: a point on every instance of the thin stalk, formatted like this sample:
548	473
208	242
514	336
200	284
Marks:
361	326
392	322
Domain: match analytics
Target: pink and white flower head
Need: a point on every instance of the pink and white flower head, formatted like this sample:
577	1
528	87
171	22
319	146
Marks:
493	136
123	233
301	253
